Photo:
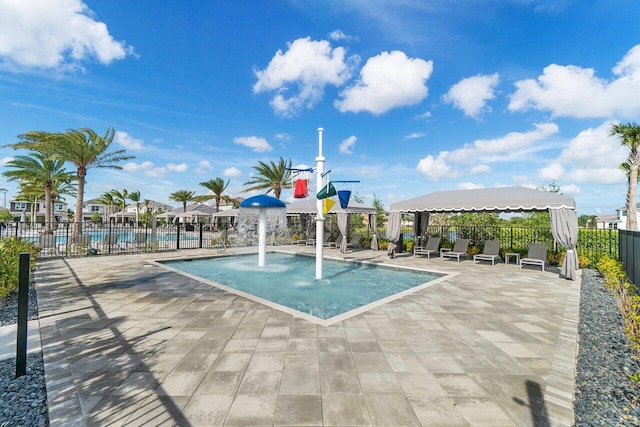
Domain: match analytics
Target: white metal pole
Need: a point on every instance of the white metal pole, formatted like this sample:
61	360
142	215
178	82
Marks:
262	237
319	214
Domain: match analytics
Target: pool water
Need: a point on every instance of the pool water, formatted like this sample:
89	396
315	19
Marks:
289	280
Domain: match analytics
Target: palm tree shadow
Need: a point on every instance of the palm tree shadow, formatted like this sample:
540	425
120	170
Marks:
536	404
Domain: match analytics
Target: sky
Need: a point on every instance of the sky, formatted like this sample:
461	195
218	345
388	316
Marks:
414	96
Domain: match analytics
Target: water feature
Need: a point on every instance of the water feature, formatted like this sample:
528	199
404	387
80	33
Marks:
289	281
266	215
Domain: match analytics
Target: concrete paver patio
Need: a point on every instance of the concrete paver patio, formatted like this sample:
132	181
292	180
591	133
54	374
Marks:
128	343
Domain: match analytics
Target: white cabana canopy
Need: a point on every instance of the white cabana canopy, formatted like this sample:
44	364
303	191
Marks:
500	199
564	220
226	213
308	206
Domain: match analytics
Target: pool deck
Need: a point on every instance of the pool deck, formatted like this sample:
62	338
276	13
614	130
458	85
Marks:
126	342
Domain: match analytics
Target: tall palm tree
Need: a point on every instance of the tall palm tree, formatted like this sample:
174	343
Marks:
629	135
217	187
107	200
120	200
271	177
84	148
182	196
41	174
135	197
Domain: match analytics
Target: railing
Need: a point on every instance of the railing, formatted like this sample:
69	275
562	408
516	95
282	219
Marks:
112	238
630	254
131	238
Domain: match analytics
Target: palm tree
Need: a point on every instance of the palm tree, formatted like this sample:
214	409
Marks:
120	200
271	177
40	174
182	196
84	148
136	198
217	187
629	135
107	200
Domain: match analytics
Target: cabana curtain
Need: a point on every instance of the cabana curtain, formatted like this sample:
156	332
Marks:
343	226
564	226
393	231
373	224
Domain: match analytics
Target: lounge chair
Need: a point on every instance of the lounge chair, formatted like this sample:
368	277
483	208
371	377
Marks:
311	239
139	242
47	243
327	243
537	255
432	247
355	241
490	252
110	243
459	250
81	245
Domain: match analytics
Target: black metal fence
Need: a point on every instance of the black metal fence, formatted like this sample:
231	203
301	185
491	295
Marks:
592	243
630	254
116	238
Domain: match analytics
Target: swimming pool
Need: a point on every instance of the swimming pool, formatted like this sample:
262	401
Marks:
288	281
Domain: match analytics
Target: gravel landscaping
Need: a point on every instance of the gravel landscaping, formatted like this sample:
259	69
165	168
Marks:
605	395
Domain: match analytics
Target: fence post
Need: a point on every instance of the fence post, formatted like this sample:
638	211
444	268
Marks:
178	235
23	311
201	225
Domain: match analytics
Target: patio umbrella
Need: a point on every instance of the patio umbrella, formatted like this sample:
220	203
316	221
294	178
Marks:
23	217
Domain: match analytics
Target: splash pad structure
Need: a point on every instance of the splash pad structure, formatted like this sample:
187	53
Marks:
268	214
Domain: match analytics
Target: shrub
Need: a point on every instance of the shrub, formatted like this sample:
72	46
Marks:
626	293
383	244
10	250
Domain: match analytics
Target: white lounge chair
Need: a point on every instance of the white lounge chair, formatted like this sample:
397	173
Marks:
459	250
327	243
432	247
109	244
537	255
490	252
139	242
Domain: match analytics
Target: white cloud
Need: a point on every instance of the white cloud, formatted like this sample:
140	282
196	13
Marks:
134	167
284	137
414	135
156	172
310	66
480	169
54	35
146	167
572	91
232	172
128	142
591	157
5	160
257	144
471	94
203	167
347	145
424	116
434	168
469	186
338	35
570	190
177	168
500	149
387	81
